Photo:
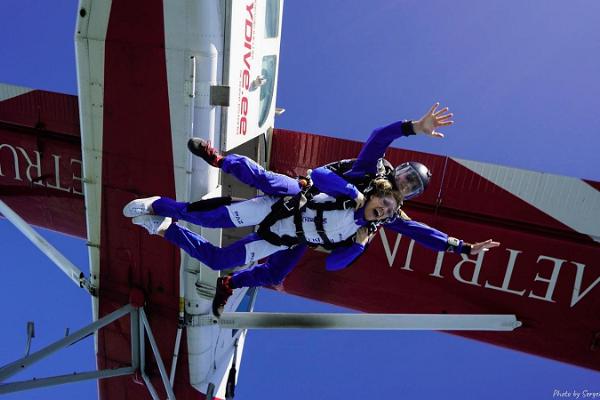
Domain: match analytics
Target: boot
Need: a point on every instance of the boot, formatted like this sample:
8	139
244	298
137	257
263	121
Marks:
223	292
204	150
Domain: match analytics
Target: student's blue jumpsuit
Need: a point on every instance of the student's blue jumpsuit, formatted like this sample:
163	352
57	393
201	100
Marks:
339	226
278	265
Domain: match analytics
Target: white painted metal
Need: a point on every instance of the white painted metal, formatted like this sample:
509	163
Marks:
175	356
210	348
25	362
569	200
64	379
43	245
10	91
145	325
194	35
246	45
445	322
193	29
180	326
241	340
213	32
140	327
90	34
142	339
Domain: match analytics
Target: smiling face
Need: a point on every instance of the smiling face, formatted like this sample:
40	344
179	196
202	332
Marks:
379	208
411	179
406	184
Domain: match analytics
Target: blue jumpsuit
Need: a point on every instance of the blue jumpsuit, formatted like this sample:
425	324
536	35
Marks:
366	163
280	264
252	247
329	182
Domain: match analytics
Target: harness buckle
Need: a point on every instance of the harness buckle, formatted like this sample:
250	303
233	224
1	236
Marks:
348	204
288	204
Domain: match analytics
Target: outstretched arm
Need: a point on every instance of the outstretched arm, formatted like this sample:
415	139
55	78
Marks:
342	257
334	185
438	240
381	138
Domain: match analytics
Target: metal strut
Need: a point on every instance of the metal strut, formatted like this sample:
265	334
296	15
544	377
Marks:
140	327
443	322
50	251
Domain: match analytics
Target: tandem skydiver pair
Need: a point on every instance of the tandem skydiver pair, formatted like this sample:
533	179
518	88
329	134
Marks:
339	208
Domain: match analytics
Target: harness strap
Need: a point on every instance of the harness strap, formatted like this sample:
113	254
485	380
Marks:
299	228
344	243
321	228
283	208
293	206
339	204
209	204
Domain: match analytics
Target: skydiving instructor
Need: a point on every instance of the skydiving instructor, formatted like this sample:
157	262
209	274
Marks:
352	178
368	192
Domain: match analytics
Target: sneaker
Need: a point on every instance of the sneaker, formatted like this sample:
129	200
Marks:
152	223
223	292
204	150
138	207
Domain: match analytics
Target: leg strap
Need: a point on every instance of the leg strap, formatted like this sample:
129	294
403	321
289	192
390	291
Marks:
209	204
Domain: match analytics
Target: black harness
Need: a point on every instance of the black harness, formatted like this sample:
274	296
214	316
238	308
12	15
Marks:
293	206
362	183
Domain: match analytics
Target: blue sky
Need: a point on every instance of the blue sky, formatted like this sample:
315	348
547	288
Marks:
521	78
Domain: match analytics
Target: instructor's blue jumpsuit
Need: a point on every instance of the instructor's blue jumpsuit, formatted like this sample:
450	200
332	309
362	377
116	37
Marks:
278	265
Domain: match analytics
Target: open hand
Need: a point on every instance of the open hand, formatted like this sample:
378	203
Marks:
477	248
432	120
362	236
360	200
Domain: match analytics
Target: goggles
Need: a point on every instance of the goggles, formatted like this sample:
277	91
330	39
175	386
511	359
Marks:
411	179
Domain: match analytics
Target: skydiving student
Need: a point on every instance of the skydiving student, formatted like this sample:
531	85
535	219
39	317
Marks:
286	227
346	178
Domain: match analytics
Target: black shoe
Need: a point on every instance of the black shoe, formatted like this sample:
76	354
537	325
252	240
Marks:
223	292
204	150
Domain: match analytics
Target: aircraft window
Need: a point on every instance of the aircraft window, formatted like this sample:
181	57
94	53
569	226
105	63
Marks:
266	90
272	19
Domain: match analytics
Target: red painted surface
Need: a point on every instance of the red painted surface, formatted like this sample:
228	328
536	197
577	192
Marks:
46	111
565	326
40	160
137	161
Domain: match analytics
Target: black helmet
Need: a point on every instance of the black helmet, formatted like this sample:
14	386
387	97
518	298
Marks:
411	178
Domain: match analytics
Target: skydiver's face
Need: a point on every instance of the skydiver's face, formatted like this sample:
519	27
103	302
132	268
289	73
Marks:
407	183
380	208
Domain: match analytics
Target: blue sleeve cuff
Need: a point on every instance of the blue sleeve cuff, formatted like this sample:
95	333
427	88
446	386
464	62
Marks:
407	128
376	145
458	246
342	257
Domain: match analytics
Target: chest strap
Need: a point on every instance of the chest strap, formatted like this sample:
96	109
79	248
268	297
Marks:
283	208
293	206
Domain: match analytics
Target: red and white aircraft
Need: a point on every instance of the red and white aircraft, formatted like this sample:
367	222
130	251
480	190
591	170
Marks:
153	73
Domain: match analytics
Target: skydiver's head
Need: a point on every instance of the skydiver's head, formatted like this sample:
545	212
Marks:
383	201
411	179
